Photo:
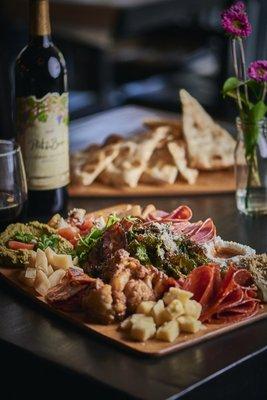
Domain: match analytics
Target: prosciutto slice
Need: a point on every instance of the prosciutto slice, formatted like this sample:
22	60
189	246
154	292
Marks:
205	233
180	213
200	232
228	299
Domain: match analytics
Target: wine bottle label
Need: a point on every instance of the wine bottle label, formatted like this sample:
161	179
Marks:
42	127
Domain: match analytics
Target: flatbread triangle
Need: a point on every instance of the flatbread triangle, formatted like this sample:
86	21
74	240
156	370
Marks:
209	146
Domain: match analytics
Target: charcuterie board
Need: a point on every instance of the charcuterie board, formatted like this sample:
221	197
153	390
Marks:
207	183
112	334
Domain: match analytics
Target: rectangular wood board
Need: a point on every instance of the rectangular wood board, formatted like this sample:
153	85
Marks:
207	183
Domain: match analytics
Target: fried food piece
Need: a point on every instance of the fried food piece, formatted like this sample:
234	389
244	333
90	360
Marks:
137	291
98	303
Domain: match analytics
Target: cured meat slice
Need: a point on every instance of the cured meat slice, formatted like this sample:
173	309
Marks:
191	228
180	213
230	299
205	233
204	282
68	294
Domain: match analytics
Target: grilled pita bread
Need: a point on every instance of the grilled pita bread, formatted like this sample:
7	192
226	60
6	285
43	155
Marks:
209	146
87	165
161	167
177	150
132	160
174	125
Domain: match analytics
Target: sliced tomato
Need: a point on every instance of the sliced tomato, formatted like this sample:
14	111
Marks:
16	245
69	233
86	226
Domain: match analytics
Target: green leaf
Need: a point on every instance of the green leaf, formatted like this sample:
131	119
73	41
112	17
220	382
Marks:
230	85
257	112
112	219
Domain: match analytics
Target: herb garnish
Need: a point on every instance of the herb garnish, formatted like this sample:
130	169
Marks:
24	237
48	241
41	242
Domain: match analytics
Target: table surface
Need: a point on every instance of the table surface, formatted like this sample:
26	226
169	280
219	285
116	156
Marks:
26	326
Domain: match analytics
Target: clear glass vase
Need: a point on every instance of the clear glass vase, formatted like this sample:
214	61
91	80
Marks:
251	167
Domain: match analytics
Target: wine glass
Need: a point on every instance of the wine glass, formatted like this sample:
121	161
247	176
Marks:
13	185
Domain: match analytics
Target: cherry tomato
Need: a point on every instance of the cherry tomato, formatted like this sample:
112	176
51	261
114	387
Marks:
16	245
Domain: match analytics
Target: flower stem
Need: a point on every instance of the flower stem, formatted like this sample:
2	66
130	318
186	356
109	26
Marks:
253	179
243	66
233	47
264	91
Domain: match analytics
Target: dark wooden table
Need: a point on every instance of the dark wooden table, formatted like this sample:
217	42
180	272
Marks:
36	346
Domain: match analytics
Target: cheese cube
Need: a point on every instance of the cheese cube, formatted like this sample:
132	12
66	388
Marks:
30	273
173	310
50	255
41	261
157	312
143	329
63	261
145	307
189	324
56	277
192	308
128	322
169	331
175	293
41	283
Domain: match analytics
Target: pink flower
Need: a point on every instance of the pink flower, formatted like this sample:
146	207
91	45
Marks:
239	6
258	70
235	21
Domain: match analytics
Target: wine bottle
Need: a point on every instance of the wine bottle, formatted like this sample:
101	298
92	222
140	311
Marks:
42	115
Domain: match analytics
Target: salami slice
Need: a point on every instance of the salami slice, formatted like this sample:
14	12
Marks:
230	299
204	282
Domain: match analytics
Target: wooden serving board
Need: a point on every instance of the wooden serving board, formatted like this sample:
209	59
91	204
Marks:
207	183
112	334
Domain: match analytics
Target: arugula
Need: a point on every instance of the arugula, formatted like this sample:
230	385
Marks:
86	243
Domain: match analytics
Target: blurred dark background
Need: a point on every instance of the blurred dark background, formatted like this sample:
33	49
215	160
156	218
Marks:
133	51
